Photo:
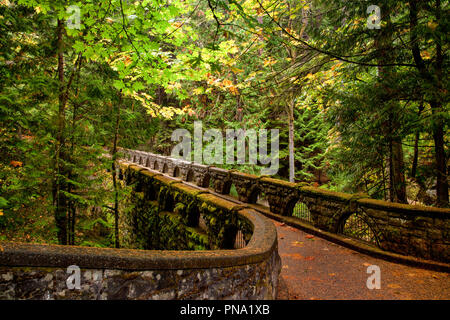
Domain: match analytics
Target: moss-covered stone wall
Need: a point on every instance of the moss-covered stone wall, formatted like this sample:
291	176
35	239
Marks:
166	215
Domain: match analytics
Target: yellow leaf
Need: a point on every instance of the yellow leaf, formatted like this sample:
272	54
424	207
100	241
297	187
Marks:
432	25
236	70
227	83
198	90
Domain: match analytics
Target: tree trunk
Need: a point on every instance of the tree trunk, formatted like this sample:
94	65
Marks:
291	142
114	175
60	185
397	183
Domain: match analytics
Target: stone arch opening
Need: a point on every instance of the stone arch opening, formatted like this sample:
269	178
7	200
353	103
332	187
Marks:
211	183
254	195
262	200
141	160
190	175
134	159
193	216
301	211
229	237
176	172
147	163
233	190
239	240
155	166
359	226
227	187
166	200
165	168
288	210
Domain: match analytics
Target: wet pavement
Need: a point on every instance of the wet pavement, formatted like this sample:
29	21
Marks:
314	268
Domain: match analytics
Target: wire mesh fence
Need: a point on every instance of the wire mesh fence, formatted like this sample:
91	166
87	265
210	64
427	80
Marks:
356	226
302	212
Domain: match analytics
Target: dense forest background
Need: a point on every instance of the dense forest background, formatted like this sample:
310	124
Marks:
361	103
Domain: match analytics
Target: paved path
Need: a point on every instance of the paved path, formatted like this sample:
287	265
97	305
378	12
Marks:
314	268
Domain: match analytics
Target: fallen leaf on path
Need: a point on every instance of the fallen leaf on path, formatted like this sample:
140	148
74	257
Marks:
309	236
309	258
394	286
366	264
296	256
297	244
332	274
285	267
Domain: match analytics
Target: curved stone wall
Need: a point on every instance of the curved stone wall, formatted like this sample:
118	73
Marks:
33	271
422	232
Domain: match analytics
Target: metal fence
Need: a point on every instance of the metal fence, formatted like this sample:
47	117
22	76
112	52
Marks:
356	226
301	212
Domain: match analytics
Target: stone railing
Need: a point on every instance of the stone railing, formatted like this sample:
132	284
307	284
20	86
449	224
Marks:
418	231
33	271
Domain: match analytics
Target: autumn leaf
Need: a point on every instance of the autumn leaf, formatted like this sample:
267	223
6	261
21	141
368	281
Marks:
16	164
236	70
295	256
227	83
1	212
309	236
309	258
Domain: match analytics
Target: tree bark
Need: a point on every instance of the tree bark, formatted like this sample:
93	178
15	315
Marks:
291	141
60	185
114	175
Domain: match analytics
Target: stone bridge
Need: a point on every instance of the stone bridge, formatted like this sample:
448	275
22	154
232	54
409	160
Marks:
384	227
